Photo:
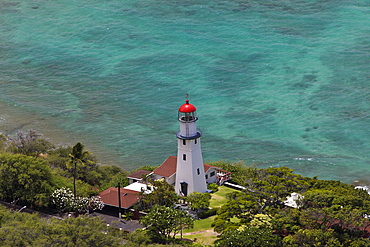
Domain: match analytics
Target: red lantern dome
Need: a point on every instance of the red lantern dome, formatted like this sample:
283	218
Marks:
187	112
187	107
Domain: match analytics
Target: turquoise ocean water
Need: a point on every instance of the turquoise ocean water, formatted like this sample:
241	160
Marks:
276	83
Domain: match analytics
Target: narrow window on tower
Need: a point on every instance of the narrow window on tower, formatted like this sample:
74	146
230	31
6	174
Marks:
183	142
195	141
184	157
198	171
184	188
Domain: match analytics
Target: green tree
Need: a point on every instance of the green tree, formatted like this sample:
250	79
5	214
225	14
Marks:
77	156
59	157
261	221
266	189
22	229
275	184
213	187
162	194
139	237
147	168
314	237
345	223
248	237
199	200
330	214
25	178
242	205
165	221
4	142
360	242
112	175
90	177
81	231
239	171
342	195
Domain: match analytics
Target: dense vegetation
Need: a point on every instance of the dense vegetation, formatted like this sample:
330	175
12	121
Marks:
31	168
21	229
327	213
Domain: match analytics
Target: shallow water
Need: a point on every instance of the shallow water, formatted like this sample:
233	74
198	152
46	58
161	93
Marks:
275	83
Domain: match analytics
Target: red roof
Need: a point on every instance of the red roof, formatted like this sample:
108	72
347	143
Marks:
138	174
187	107
206	167
168	167
128	197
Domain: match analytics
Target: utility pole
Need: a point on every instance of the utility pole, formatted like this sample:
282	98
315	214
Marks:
119	200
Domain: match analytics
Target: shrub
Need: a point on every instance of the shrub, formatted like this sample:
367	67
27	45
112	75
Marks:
207	213
213	187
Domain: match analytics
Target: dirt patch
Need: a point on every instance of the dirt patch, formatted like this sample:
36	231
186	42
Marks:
216	197
210	232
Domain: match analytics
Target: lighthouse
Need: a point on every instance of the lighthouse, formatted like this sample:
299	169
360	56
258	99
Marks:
190	175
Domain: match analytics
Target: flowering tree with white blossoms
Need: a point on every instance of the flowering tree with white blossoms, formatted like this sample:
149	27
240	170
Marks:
65	201
96	203
62	199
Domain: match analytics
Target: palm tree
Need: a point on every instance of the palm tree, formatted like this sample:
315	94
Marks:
78	155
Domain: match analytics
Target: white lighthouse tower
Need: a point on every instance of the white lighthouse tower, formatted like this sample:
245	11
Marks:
190	169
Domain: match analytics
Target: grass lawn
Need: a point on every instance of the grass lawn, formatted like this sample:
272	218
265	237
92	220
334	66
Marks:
202	230
201	225
205	238
219	198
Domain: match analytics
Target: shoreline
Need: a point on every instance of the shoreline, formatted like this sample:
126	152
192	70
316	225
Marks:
16	118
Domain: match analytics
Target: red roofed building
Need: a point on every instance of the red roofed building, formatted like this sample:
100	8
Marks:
137	175
128	197
167	170
186	172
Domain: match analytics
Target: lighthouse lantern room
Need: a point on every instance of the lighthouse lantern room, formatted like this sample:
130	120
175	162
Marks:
190	175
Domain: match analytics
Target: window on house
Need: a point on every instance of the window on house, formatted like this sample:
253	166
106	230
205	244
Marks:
198	171
183	142
184	157
212	174
206	176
